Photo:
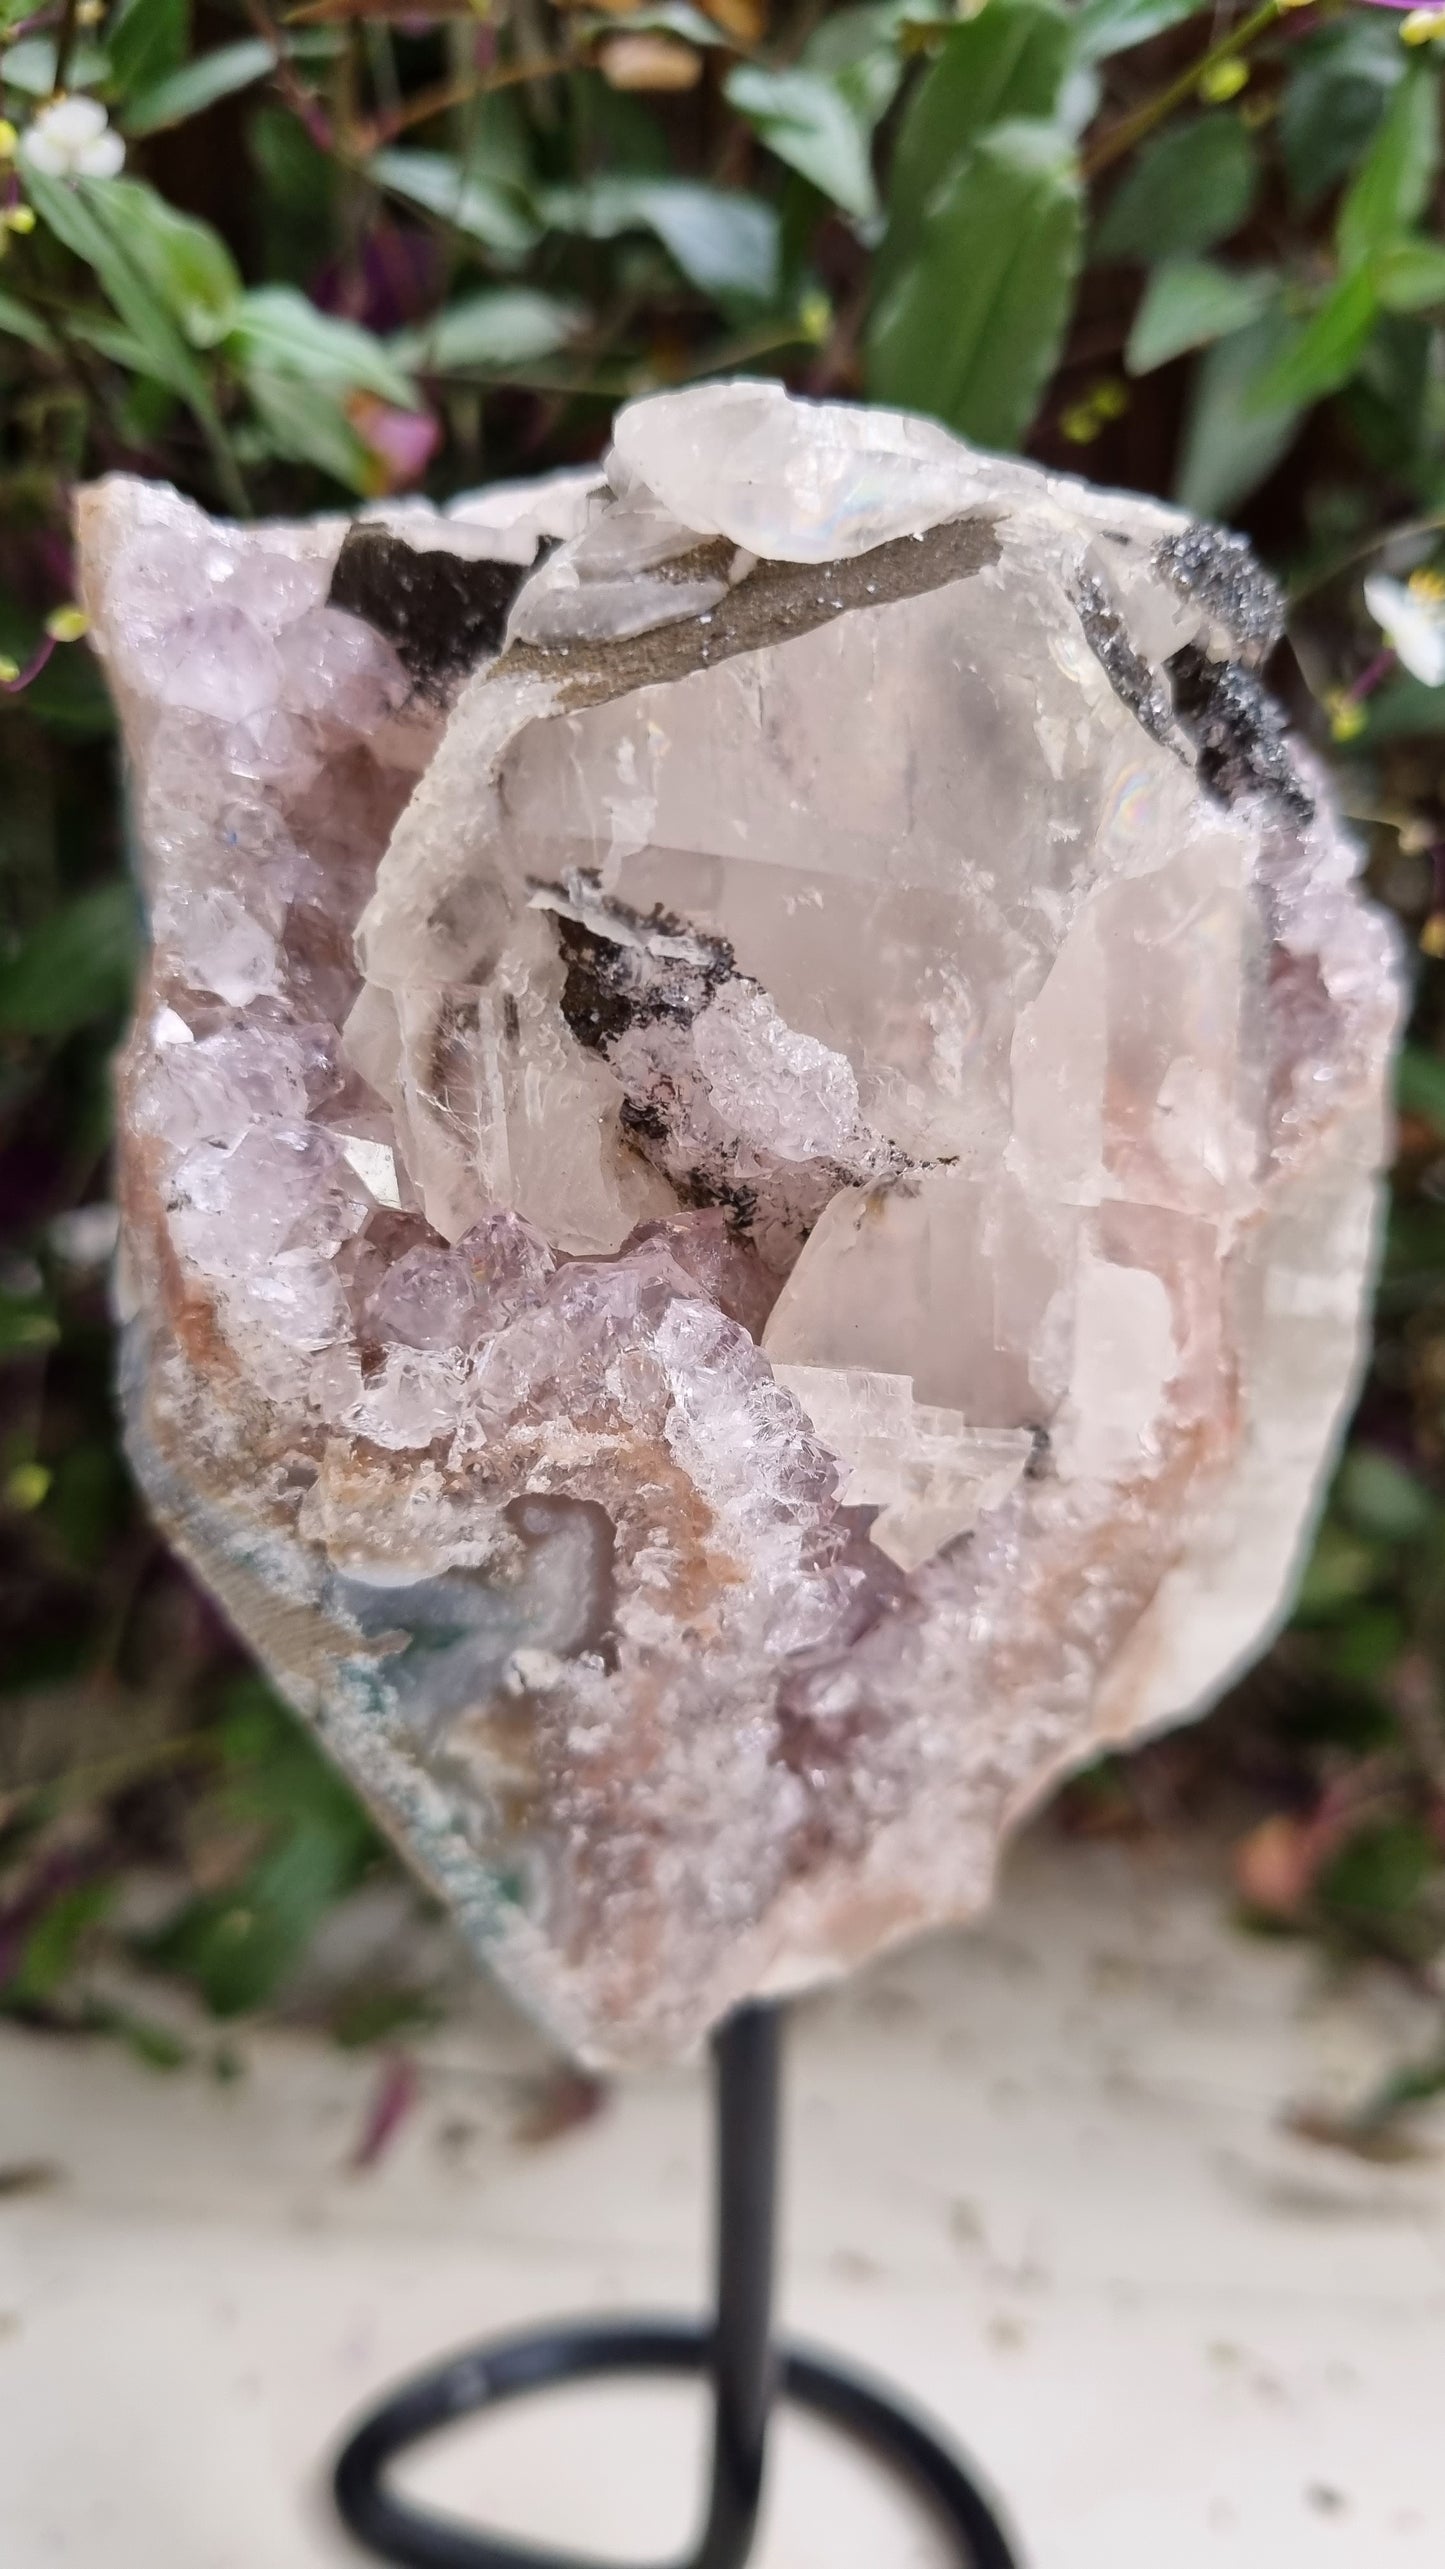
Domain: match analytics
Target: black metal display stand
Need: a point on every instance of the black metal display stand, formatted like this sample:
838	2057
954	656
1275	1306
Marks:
736	2351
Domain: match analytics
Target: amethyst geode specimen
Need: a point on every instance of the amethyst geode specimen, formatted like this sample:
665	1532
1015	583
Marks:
749	1162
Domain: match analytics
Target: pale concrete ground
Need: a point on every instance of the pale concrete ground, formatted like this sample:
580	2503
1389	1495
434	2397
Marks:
1038	2176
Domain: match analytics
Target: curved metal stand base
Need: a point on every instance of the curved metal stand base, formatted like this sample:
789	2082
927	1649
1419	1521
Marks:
511	2366
735	2352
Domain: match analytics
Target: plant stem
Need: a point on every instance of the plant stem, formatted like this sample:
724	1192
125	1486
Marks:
456	93
64	45
1131	129
304	103
1342	562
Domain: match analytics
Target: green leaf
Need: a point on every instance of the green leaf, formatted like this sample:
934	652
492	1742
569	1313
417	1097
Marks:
858	49
146	40
187	264
1420	1085
296	192
806	120
198	85
27	1326
511	326
1189	189
495	215
1394	183
1232	442
1187	303
1381	1500
1009	61
972	327
240	1944
1410	276
86	216
1325	353
306	422
97	330
1383	1870
30	66
725	243
1404	709
1338	89
1342	1569
277	331
19	322
54	1944
74	969
1105	27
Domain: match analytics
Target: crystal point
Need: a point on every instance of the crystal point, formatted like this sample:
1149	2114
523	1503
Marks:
749	1159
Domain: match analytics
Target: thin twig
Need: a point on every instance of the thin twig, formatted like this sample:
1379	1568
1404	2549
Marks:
303	102
446	94
1132	128
1378	543
64	45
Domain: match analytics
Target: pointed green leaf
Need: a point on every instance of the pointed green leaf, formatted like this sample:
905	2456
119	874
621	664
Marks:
1339	87
1007	62
1232	442
1410	276
1189	189
278	331
806	120
1187	303
1394	183
30	66
1106	27
75	968
488	212
146	40
306	422
512	326
86	219
19	322
198	85
187	264
725	243
858	48
972	327
1324	354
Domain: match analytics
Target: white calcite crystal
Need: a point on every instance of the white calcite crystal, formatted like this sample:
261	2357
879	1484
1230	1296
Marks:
749	1163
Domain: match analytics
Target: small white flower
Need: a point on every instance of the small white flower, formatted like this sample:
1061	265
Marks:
72	138
1412	621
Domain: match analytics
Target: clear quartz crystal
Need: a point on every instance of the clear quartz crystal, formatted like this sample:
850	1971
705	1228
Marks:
749	1163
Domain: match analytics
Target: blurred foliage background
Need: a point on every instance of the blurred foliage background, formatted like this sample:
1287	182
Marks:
289	261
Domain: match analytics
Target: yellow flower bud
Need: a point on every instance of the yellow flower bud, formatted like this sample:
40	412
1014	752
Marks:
1081	423
26	1486
9	670
815	318
1346	713
1432	936
1223	80
19	218
67	624
8	139
1422	27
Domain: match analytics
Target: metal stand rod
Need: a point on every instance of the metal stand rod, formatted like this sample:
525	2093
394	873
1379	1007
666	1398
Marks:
735	2351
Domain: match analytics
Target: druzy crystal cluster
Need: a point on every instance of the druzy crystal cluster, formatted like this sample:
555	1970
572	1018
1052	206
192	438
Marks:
749	1162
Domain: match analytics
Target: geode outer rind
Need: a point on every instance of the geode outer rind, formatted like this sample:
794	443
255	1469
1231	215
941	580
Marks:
746	1218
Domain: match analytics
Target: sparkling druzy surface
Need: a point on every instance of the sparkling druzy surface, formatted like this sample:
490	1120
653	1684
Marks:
749	1162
